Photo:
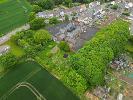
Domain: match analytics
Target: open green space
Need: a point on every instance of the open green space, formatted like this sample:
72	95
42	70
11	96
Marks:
28	80
16	50
13	14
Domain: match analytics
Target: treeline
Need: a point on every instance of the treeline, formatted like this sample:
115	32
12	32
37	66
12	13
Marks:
91	60
50	4
7	60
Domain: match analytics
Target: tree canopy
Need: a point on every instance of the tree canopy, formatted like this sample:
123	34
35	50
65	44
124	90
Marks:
91	60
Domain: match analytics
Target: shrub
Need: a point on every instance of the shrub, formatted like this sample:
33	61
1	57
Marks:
37	23
126	13
53	20
36	8
42	37
32	16
7	60
64	46
115	7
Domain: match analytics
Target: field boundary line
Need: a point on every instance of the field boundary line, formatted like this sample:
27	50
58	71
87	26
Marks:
38	95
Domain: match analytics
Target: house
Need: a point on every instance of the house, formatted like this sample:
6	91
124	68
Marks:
4	49
94	4
120	97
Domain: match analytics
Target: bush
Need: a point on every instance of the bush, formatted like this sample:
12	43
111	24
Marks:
7	60
66	18
68	3
115	7
46	4
42	37
53	20
64	46
37	23
126	13
49	54
36	8
32	16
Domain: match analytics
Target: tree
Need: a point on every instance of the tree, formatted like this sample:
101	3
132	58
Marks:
36	8
91	61
7	60
74	81
115	7
53	20
37	23
42	37
46	4
58	2
66	18
64	46
68	3
32	16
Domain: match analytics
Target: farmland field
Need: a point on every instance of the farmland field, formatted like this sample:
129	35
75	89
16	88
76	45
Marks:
29	81
13	14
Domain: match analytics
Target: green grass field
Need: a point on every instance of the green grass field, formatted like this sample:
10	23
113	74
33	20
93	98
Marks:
13	14
29	81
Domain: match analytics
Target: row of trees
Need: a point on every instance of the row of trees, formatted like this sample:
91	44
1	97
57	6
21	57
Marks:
92	59
37	23
50	4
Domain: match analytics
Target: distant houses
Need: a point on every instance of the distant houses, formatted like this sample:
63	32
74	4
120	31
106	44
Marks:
81	12
81	21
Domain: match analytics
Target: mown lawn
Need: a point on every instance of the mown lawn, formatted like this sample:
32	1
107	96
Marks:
13	14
